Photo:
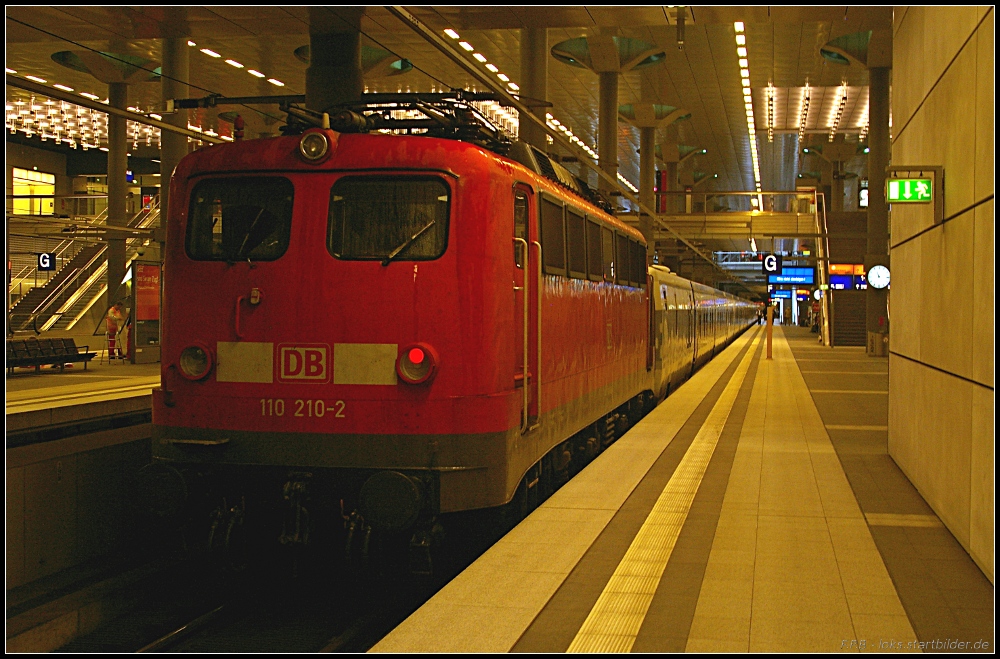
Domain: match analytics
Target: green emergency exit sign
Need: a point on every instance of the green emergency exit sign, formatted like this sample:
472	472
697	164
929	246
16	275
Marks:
909	190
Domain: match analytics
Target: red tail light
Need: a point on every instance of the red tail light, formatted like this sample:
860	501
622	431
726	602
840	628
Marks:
417	364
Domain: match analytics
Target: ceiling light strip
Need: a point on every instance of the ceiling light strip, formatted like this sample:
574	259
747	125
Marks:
743	59
432	37
511	119
839	103
803	111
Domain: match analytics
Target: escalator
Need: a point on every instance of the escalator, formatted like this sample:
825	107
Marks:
78	286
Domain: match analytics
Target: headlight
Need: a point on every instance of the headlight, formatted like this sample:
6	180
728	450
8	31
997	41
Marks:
416	363
313	146
195	362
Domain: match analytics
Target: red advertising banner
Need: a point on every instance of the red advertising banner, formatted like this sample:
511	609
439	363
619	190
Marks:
147	292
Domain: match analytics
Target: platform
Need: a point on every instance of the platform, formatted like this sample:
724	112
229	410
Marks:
756	509
51	397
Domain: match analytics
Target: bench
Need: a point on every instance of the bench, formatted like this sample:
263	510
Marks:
39	352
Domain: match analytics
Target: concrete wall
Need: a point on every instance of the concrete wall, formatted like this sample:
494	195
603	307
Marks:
67	500
941	303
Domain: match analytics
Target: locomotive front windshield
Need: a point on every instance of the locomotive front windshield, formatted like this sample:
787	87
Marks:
239	219
388	218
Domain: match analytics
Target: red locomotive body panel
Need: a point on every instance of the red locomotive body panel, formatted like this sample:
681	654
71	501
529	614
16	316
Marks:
303	347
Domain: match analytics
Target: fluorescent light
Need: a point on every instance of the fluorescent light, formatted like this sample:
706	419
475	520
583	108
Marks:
741	51
10	70
513	86
479	56
191	43
492	68
741	39
92	97
36	79
155	116
451	33
63	87
466	45
234	63
210	53
738	25
255	73
503	77
746	82
744	73
276	82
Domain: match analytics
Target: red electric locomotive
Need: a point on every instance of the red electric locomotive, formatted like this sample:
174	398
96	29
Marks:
394	325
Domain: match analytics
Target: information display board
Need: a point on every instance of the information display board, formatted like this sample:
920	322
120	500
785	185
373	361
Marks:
145	312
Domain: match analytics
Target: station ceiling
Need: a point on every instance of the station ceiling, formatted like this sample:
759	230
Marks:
704	77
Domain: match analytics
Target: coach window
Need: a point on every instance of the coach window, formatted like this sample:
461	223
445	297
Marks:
638	262
553	238
239	219
520	226
576	238
621	256
595	267
608	243
382	218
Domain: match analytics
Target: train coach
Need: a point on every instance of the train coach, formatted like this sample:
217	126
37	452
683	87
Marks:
387	328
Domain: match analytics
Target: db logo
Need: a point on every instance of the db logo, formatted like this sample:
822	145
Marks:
304	362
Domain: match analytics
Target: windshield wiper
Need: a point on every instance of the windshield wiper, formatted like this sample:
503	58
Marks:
406	243
246	238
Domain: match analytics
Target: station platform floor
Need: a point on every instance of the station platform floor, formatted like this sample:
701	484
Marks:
30	392
755	510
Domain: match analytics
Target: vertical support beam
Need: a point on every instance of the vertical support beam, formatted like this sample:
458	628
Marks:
334	75
837	188
647	179
878	213
607	128
117	189
173	84
534	81
671	161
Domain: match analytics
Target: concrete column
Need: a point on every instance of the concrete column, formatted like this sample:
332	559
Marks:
607	128
334	75
671	161
173	147
837	188
647	179
534	81
117	189
878	211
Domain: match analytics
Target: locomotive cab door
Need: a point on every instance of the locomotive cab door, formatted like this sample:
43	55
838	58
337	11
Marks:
527	274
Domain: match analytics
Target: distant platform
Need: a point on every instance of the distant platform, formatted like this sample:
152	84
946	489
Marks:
53	397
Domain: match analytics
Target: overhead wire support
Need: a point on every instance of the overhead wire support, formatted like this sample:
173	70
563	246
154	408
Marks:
525	113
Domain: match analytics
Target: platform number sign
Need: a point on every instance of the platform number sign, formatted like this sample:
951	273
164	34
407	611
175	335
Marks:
909	191
46	262
772	264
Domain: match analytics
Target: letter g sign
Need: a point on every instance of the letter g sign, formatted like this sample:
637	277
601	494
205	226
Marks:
772	265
